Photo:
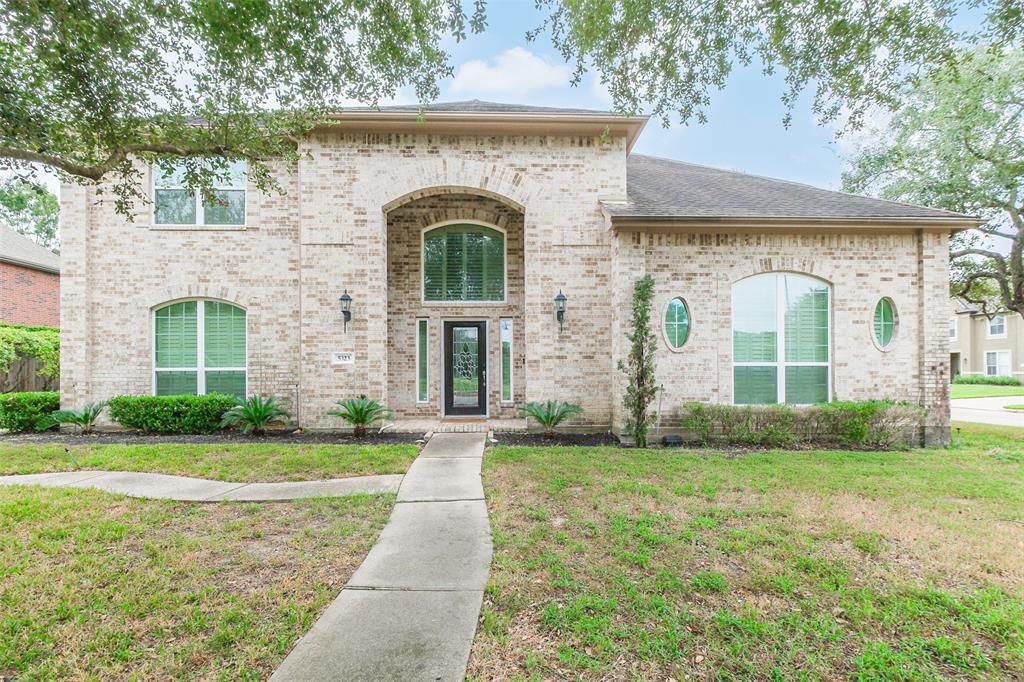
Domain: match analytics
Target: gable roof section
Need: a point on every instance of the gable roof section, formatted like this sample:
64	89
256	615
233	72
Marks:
479	106
19	250
660	191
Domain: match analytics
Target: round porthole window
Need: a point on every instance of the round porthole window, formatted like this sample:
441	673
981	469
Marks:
677	323
886	322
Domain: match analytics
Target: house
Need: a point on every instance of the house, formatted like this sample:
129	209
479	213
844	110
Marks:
29	281
420	259
979	344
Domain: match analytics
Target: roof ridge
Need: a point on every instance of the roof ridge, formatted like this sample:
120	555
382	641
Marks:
952	214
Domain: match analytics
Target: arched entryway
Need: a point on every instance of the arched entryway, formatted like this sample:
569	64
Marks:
456	344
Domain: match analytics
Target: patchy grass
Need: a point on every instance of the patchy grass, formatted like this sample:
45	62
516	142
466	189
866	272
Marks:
94	586
1013	407
667	564
982	391
224	462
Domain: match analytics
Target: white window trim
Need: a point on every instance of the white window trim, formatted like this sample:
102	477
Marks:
504	256
895	325
200	369
200	223
426	322
664	324
988	328
955	328
511	362
1009	362
780	341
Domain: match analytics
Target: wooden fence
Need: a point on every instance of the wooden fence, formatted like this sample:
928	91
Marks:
24	377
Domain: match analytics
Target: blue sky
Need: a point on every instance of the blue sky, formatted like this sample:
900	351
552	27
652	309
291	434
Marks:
744	132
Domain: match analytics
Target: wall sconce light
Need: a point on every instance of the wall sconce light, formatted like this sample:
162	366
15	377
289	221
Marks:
346	309
560	309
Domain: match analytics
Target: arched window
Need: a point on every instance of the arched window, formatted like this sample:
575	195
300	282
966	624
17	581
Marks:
781	340
463	262
677	323
198	348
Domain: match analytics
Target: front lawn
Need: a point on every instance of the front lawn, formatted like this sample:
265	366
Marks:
982	391
667	564
225	462
94	586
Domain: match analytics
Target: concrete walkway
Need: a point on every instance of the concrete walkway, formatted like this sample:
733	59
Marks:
166	487
410	612
988	411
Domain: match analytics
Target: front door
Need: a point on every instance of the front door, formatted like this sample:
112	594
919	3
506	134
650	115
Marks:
465	368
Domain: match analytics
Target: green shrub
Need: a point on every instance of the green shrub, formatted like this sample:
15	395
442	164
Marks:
360	412
84	420
984	379
550	414
42	343
28	411
255	415
171	413
871	423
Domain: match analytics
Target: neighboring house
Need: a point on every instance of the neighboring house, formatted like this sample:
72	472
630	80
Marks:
979	344
29	281
453	234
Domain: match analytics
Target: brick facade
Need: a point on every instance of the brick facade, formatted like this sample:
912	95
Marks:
29	296
351	219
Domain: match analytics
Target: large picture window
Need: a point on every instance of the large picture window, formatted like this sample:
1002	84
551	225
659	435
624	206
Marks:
199	347
463	262
781	340
174	204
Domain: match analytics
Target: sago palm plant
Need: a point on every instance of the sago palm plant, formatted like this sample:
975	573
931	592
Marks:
255	414
360	412
84	420
550	414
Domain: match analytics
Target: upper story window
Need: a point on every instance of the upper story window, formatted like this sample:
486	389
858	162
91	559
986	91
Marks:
199	347
781	340
997	326
952	328
173	204
463	262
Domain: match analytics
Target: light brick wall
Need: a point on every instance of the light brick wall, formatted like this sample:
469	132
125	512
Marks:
29	296
909	267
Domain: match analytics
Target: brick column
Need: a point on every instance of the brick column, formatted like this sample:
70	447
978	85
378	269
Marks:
933	371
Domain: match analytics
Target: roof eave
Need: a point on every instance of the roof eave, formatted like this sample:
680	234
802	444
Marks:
30	265
492	122
640	223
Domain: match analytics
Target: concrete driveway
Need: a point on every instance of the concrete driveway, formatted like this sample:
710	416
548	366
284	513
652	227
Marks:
988	411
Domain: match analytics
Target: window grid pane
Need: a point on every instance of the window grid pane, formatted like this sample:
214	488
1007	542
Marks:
755	322
176	383
807	385
806	320
464	263
885	322
174	207
421	361
755	385
228	383
506	360
677	323
224	335
176	332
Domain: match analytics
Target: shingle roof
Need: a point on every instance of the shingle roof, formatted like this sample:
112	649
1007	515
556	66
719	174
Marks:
481	107
20	250
663	189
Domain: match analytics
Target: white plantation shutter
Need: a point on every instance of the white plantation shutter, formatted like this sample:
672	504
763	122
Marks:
464	263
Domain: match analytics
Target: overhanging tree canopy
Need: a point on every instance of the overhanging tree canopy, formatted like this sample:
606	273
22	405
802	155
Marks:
85	85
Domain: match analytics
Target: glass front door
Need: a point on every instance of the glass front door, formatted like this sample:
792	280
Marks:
465	368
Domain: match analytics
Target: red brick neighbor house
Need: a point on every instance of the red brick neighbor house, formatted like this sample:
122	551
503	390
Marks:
29	282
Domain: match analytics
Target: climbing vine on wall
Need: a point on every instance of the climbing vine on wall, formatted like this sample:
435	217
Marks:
641	389
42	343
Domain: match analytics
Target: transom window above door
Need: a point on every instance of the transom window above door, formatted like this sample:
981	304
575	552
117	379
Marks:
781	340
199	347
463	262
175	204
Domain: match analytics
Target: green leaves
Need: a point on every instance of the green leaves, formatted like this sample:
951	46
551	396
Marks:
360	412
550	414
31	210
255	415
641	389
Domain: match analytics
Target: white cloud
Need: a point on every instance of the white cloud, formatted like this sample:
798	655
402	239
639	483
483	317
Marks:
850	141
515	72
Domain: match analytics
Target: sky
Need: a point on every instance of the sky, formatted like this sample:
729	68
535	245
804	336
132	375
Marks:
745	130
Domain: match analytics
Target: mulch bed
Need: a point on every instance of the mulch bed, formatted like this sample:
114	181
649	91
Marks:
539	439
228	437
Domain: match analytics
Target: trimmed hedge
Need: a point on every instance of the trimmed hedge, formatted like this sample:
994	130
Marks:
984	379
868	424
171	413
28	411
